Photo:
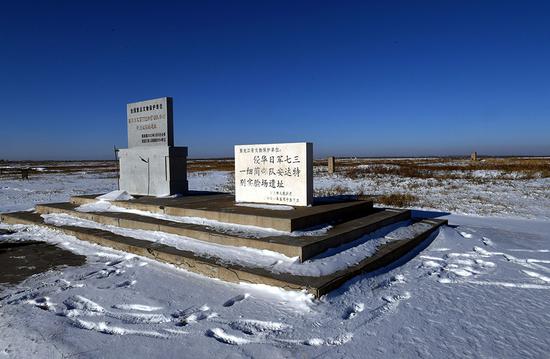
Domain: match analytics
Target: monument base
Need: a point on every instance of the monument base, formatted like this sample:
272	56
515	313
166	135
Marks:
348	220
153	171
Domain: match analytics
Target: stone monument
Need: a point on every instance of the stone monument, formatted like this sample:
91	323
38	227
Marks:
277	173
151	165
331	165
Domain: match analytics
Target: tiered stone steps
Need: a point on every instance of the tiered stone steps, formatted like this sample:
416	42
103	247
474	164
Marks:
216	268
304	247
222	207
350	220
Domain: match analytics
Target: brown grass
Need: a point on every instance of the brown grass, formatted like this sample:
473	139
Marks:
446	169
211	165
438	169
336	190
52	167
397	199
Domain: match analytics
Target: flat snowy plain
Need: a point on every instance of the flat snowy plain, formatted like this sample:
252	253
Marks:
477	288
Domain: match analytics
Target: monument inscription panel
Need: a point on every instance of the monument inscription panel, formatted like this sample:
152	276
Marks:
280	173
150	123
151	165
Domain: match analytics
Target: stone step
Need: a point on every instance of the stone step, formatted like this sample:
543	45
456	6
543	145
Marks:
304	247
217	268
222	207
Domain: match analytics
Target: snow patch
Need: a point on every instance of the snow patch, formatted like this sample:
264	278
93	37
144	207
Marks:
537	275
82	303
118	195
251	326
366	246
273	207
105	328
220	335
222	227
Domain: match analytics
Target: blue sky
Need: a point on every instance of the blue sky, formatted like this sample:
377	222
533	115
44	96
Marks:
368	78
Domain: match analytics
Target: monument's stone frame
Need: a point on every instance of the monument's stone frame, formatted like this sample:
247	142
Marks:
151	165
275	173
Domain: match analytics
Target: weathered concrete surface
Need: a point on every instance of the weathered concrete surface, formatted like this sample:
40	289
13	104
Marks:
216	268
154	171
157	203
304	247
222	207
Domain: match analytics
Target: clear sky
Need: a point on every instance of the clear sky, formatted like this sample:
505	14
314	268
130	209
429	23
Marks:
366	78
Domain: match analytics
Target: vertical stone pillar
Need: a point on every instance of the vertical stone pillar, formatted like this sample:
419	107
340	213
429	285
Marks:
331	165
473	157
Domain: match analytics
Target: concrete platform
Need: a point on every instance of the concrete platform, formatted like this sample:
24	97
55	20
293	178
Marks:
304	247
222	207
216	268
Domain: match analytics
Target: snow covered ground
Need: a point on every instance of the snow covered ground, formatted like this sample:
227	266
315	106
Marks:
478	288
522	198
19	195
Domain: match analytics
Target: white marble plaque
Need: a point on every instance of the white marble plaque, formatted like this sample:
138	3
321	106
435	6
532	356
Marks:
280	173
150	123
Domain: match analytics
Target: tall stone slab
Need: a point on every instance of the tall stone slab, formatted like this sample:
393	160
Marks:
151	165
331	165
276	173
150	123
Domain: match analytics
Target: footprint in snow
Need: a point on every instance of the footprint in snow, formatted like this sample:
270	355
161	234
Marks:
114	263
107	272
387	283
138	307
236	299
126	284
220	335
106	328
255	327
352	311
42	303
84	304
140	318
223	337
63	284
390	305
465	234
193	315
537	276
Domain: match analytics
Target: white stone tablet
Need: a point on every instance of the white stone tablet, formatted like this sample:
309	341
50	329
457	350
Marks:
150	123
280	173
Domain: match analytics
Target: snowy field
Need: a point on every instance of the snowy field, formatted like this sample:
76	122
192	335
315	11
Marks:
477	288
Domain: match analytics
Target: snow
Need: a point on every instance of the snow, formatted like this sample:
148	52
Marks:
117	195
333	260
210	181
493	197
18	195
273	207
428	311
222	227
138	307
479	288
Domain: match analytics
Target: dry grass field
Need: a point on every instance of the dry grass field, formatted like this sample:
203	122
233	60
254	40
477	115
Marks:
518	186
449	168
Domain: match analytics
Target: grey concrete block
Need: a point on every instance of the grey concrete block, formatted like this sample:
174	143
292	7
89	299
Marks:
153	171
